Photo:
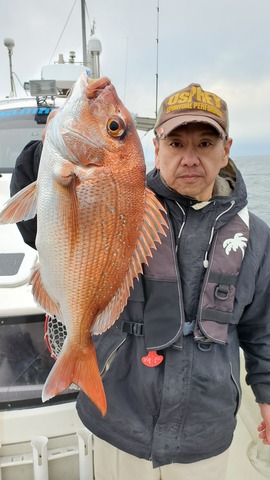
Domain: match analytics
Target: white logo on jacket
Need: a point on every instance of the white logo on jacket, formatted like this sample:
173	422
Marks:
232	244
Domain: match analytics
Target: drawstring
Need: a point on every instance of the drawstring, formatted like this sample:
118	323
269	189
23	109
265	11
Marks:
181	228
206	262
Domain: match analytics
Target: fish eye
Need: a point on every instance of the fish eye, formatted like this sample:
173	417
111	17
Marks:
116	126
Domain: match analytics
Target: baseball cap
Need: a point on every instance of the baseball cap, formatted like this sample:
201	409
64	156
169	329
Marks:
192	104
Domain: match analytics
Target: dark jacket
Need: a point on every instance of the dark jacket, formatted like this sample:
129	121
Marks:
26	170
184	409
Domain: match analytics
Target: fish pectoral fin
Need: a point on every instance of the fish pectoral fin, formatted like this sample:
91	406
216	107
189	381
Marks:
153	222
40	294
152	227
23	206
76	365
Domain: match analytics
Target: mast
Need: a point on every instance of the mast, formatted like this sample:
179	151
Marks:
83	33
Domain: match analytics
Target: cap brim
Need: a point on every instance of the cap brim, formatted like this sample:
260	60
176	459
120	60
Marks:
167	127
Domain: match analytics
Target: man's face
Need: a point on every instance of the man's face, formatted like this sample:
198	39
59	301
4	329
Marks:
190	158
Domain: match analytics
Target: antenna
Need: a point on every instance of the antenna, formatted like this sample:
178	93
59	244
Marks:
157	58
9	43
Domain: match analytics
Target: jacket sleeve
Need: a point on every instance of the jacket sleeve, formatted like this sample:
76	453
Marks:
25	172
254	326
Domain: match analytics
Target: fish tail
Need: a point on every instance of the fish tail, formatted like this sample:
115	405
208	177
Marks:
77	366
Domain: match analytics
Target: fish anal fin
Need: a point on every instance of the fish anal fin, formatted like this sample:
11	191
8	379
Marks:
76	366
152	227
20	207
40	294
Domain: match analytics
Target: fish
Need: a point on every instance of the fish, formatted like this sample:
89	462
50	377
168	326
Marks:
97	223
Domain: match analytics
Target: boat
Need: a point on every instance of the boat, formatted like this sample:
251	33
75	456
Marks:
37	440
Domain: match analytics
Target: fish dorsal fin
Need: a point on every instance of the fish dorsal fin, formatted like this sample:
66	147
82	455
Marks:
152	227
40	294
22	206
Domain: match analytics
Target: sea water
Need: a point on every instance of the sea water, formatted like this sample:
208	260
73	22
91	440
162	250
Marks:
256	173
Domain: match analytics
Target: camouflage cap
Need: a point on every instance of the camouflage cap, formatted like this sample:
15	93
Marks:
192	104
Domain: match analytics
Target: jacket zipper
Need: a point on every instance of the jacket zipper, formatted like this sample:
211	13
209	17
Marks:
237	388
110	358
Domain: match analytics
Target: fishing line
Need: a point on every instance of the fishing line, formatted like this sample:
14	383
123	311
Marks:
157	58
126	66
91	27
63	30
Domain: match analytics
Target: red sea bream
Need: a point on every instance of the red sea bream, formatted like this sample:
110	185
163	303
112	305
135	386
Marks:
96	224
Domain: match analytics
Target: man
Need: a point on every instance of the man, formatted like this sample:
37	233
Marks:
170	364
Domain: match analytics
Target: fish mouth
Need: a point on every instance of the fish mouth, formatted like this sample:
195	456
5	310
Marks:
95	87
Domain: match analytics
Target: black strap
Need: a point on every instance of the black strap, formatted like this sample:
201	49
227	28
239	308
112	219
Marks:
222	278
133	328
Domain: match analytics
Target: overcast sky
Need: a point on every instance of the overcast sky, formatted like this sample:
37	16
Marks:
223	45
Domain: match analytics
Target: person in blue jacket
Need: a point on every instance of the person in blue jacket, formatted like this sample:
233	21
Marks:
171	363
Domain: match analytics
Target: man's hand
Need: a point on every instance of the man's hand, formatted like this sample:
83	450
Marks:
264	427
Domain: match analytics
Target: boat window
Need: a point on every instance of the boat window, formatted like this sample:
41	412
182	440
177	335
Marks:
25	362
18	126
